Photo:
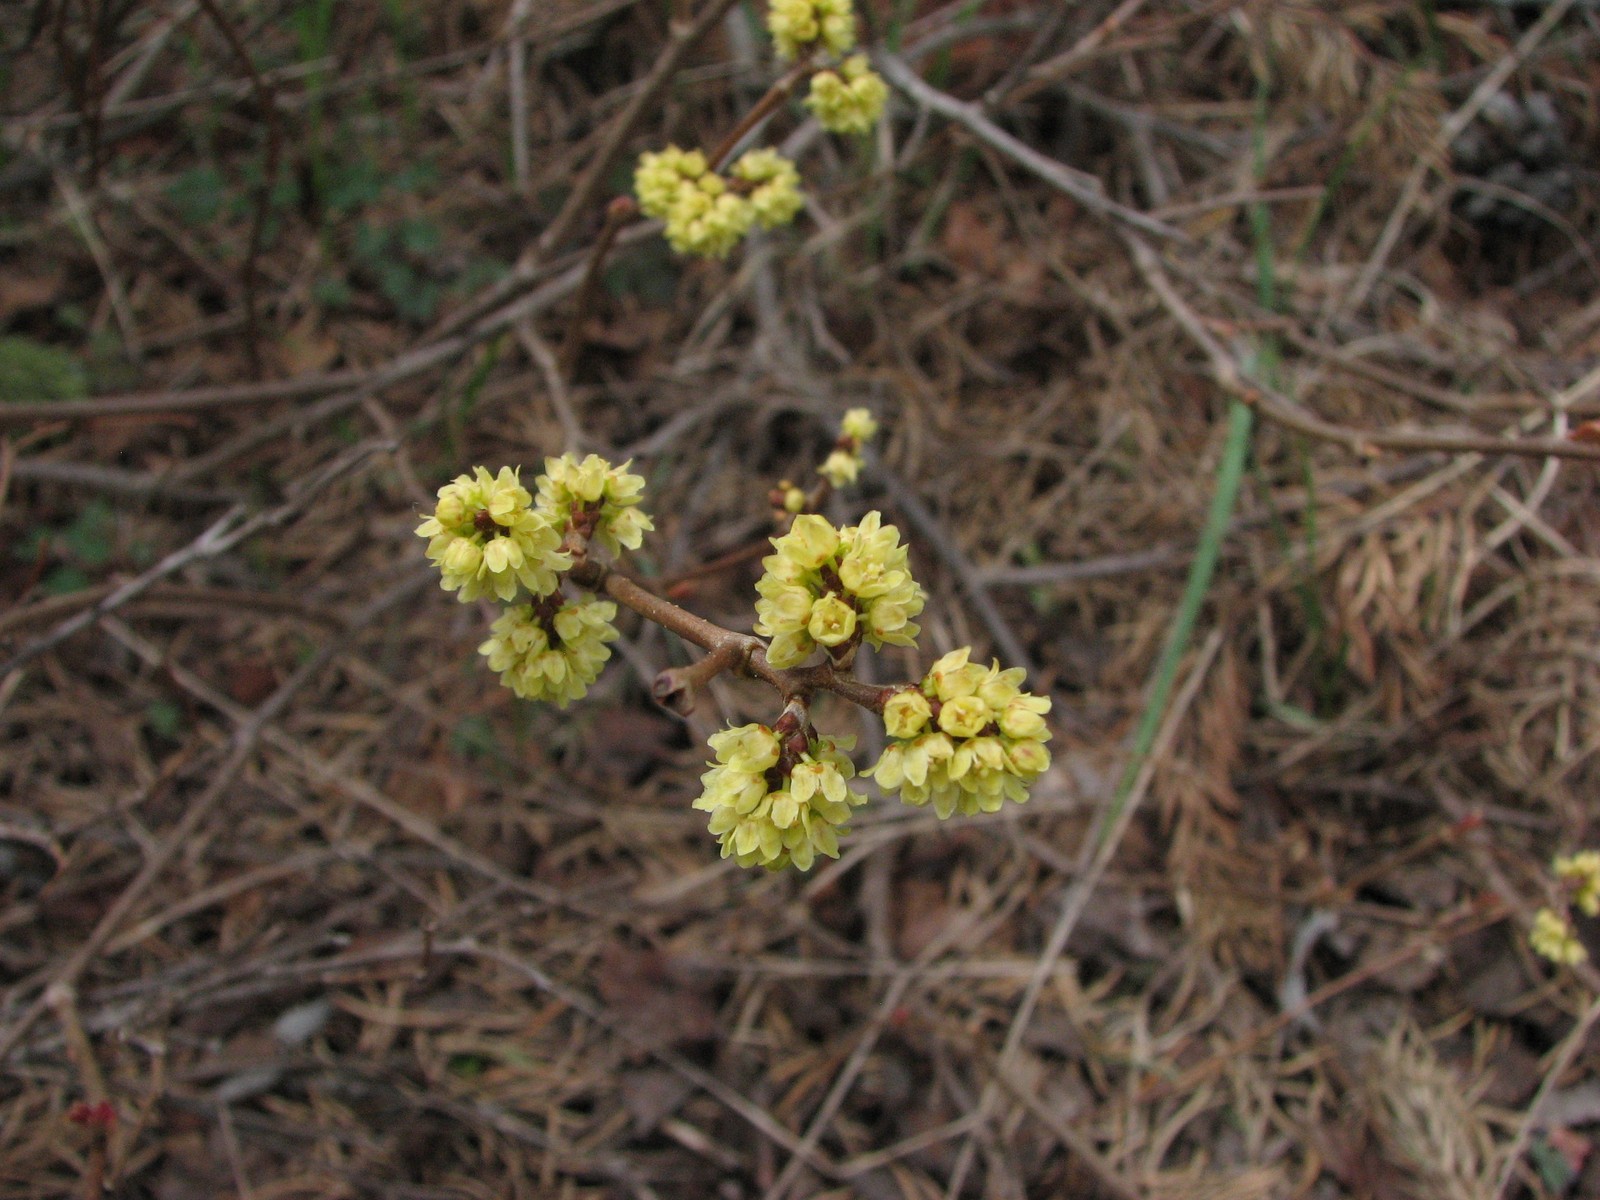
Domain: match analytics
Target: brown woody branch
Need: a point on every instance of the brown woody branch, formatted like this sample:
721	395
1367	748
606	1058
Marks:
742	653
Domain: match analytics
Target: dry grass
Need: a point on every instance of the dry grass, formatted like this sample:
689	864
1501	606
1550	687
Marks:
318	910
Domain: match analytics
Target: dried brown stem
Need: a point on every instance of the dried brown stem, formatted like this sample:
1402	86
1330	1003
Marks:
618	213
262	92
1275	406
581	200
776	95
675	687
741	652
226	532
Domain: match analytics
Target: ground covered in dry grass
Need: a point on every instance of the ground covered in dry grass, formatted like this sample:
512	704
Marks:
297	902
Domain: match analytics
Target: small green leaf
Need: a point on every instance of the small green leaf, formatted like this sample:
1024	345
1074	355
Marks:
164	719
63	581
1554	1169
419	235
197	195
31	370
90	534
473	738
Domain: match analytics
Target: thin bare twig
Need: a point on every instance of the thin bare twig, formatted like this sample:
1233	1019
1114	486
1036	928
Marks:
967	576
1103	849
759	111
618	213
1563	1058
83	220
756	1116
241	746
743	652
1277	407
1434	155
265	103
581	200
1083	187
226	532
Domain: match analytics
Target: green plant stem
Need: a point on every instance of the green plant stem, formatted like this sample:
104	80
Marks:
1235	452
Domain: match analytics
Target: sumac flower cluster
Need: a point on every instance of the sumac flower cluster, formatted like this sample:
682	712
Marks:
965	738
708	213
489	537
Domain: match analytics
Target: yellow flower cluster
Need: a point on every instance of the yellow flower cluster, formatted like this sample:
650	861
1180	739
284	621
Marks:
1580	873
706	214
836	587
764	817
702	215
551	657
849	100
798	25
598	499
968	739
775	197
487	539
1553	937
843	465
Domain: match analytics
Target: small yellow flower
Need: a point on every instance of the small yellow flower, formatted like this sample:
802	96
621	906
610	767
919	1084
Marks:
906	714
749	749
841	468
832	621
660	177
1552	937
1581	872
988	747
859	425
963	717
708	222
798	24
702	216
810	542
849	100
870	563
1023	717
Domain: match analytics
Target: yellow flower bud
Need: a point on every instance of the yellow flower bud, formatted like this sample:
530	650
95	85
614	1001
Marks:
810	542
797	24
776	198
608	492
1023	718
520	649
749	749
